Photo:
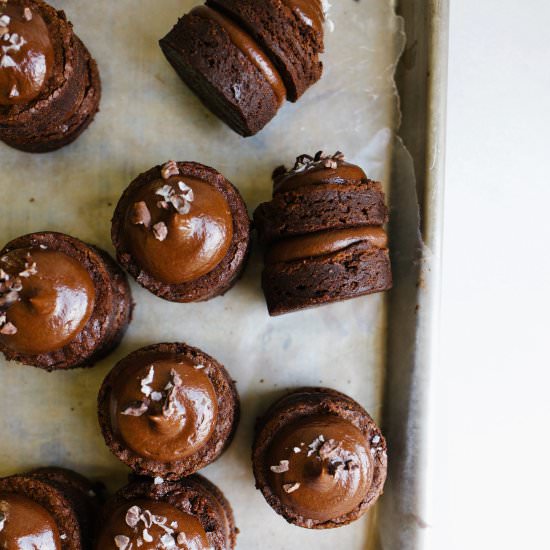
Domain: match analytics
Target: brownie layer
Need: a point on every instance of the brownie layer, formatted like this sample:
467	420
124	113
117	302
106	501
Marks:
224	275
323	234
355	271
310	402
194	495
292	43
222	76
112	310
226	423
315	208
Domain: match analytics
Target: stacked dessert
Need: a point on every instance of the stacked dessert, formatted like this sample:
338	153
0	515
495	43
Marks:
244	58
324	235
49	83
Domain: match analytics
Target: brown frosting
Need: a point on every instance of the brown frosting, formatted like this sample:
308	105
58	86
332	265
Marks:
320	467
178	229
26	54
317	170
24	524
309	11
163	406
324	242
248	47
46	299
151	525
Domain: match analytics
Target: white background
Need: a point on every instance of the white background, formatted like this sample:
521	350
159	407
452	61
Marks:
492	384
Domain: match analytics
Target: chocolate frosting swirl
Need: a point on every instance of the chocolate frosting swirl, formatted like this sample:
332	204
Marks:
163	406
324	242
25	524
152	525
316	170
26	54
46	299
178	229
320	466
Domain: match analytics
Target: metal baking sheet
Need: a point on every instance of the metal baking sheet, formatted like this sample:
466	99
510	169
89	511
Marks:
148	116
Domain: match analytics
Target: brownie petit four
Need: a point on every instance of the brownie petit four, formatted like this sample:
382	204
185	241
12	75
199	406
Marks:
63	303
182	231
48	509
168	410
319	459
323	233
243	58
49	83
188	514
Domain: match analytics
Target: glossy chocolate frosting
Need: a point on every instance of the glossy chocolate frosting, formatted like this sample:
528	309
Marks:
163	406
25	525
317	170
46	299
152	525
324	242
26	54
248	47
320	467
178	229
309	11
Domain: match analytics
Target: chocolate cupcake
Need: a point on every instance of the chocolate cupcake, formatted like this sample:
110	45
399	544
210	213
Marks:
324	236
244	58
168	410
50	509
319	459
49	84
63	303
191	513
182	231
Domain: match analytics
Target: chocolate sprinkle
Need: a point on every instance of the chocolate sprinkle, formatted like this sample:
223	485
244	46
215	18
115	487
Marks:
169	169
122	542
132	516
291	487
282	467
160	231
140	214
139	408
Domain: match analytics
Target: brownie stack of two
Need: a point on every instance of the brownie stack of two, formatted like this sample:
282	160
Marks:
324	236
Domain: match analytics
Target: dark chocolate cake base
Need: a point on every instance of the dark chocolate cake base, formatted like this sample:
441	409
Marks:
321	207
355	271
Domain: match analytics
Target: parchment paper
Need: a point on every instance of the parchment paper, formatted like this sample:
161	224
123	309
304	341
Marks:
148	116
